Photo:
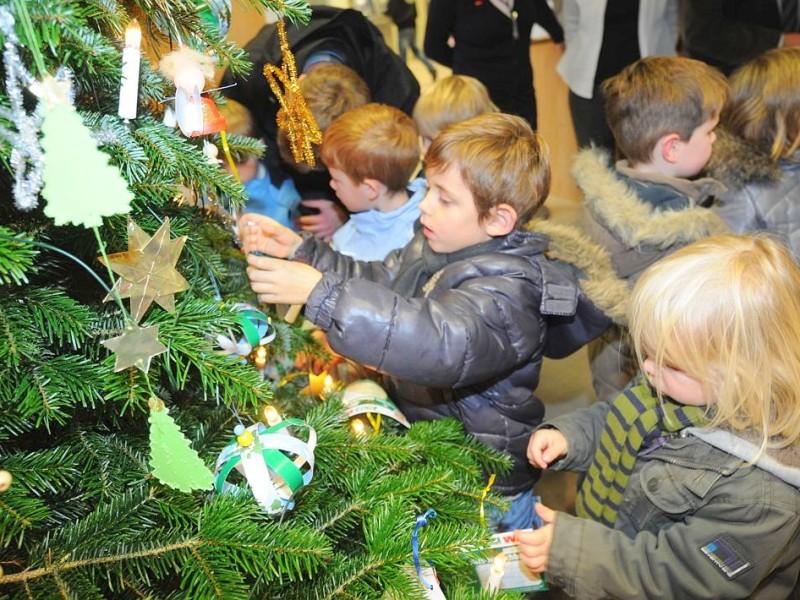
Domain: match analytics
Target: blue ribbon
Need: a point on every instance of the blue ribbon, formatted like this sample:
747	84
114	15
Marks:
537	520
421	520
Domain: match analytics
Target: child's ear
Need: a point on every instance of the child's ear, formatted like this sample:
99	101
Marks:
669	147
501	221
374	188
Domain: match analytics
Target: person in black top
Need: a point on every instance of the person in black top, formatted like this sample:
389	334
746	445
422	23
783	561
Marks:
728	33
492	44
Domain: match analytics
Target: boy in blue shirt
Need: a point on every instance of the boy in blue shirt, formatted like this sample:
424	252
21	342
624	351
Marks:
371	152
263	196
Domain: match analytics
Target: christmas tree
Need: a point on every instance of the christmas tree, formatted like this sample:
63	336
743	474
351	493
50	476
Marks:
120	282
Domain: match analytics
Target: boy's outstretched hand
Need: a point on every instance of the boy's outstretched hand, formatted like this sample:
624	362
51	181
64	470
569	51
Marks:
278	281
546	446
262	234
534	544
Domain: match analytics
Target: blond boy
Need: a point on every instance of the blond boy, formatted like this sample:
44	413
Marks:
449	100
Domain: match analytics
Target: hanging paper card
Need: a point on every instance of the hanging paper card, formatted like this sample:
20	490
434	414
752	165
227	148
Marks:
174	462
70	149
508	572
366	396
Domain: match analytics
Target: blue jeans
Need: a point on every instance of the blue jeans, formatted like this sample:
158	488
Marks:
518	516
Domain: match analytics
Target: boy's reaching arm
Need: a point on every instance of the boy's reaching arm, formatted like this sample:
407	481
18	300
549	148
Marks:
723	546
468	335
546	446
262	234
568	442
279	281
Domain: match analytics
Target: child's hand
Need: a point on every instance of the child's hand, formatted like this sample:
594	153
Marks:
278	281
546	446
262	234
305	362
326	222
534	544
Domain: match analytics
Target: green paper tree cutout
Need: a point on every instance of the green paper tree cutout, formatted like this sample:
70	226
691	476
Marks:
70	151
172	459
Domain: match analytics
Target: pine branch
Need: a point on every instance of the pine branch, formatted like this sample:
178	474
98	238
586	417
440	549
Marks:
242	146
16	257
220	375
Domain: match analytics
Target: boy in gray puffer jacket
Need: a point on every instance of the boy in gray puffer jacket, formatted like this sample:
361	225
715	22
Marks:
459	320
758	153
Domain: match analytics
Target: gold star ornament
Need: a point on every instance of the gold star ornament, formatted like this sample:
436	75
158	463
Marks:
148	270
136	347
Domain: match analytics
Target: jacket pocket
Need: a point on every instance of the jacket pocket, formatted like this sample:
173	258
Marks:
676	489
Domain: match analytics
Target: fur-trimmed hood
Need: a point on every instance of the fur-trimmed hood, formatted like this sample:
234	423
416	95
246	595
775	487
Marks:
632	221
591	265
638	220
737	162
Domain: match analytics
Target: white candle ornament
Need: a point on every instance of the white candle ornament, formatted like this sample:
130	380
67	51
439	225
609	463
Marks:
131	60
496	573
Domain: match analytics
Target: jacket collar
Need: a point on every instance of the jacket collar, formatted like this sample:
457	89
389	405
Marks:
784	463
697	191
616	205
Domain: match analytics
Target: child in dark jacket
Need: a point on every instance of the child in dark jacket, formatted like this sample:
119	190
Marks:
691	487
458	321
662	111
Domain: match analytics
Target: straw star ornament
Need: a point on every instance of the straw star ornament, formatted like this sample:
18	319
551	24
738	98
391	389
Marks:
135	348
148	270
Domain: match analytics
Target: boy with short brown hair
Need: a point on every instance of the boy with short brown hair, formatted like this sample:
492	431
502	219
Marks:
662	96
330	90
458	321
662	111
371	153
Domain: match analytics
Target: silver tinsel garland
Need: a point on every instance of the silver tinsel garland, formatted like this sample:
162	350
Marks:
27	158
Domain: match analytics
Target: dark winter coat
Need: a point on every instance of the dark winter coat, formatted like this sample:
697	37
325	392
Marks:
728	33
486	48
697	520
402	13
468	343
763	195
351	35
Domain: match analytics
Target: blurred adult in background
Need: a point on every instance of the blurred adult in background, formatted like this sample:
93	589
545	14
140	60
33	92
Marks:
403	14
490	41
728	33
601	38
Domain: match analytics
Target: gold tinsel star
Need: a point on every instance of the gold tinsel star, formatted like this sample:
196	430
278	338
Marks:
148	270
294	117
136	347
